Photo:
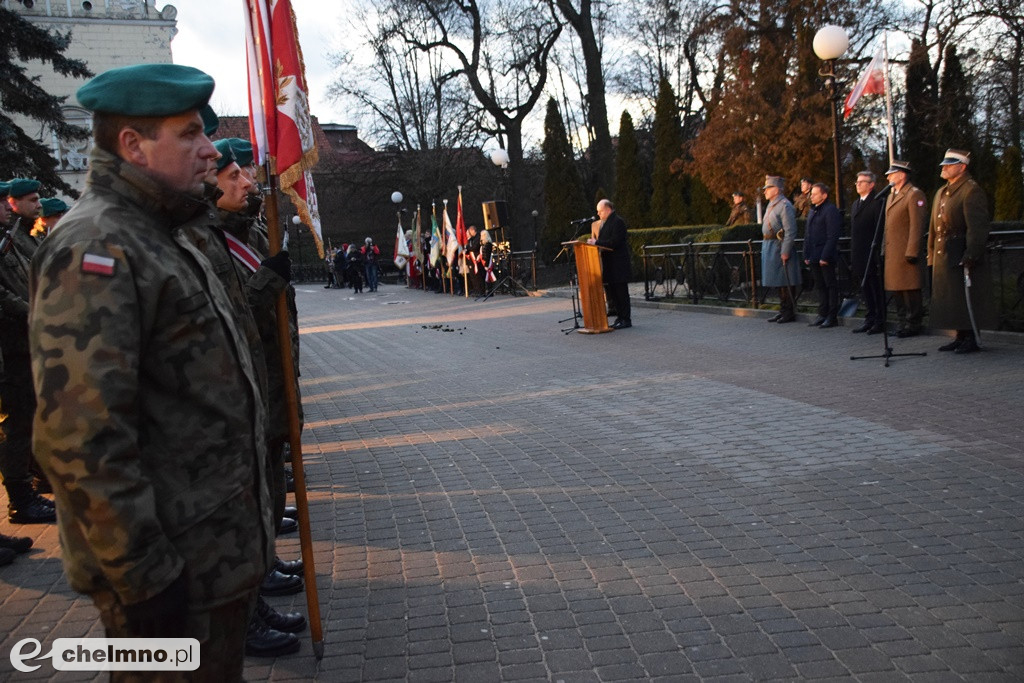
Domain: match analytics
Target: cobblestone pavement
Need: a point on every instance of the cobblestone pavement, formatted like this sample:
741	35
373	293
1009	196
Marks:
700	497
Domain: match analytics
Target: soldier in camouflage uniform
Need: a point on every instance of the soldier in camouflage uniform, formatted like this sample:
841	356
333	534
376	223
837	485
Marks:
17	399
150	423
270	632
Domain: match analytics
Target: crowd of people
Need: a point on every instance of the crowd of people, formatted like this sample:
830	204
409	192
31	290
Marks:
893	239
141	381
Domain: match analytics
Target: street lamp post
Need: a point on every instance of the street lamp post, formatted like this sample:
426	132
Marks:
830	43
500	158
296	221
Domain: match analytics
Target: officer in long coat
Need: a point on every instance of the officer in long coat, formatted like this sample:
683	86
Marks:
957	238
779	265
150	424
906	214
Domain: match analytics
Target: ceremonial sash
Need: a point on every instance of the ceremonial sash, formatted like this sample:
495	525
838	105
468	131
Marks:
242	252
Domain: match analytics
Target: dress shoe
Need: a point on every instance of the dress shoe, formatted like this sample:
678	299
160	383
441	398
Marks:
287	622
287	526
863	328
828	323
276	583
19	544
291	512
291	568
907	332
817	323
775	318
36	510
263	641
7	556
951	346
968	345
877	329
621	324
786	319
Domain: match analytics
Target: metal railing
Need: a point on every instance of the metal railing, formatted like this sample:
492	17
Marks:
729	273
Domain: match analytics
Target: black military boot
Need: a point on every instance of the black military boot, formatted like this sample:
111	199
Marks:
286	622
263	641
25	506
19	544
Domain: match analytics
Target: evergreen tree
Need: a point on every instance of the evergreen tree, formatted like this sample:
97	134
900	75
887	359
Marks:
631	193
21	156
954	125
563	190
1009	187
919	131
667	207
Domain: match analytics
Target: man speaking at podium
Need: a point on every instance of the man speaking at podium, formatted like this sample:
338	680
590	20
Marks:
615	266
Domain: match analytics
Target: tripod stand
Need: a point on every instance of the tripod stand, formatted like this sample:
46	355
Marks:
509	282
880	274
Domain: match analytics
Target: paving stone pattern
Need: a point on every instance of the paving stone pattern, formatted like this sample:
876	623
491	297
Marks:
700	497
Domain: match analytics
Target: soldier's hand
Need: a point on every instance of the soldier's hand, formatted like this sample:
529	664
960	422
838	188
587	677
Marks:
280	263
912	260
162	616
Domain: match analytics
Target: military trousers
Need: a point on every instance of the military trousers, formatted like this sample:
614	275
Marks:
219	630
17	410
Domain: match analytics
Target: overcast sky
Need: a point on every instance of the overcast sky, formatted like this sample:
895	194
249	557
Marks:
217	46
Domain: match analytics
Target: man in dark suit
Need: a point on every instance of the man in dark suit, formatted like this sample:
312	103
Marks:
821	252
863	222
615	266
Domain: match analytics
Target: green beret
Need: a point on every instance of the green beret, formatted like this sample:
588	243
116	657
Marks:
227	155
210	120
242	149
19	187
5	189
147	90
51	206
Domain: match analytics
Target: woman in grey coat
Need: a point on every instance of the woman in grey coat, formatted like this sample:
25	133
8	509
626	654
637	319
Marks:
779	268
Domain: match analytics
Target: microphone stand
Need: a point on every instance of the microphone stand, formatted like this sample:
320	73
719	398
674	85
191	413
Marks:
880	274
574	286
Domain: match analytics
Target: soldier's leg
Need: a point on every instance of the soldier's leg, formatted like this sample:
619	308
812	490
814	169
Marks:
18	402
915	309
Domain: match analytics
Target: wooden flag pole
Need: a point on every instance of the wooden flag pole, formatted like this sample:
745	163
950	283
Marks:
284	338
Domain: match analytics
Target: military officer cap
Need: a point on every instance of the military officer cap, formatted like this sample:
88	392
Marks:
19	187
242	150
227	155
51	206
899	166
774	181
956	156
147	90
5	189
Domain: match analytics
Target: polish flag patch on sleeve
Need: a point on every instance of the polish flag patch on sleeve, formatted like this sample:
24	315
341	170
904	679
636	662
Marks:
98	265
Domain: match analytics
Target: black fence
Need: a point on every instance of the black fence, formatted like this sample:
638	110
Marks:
729	274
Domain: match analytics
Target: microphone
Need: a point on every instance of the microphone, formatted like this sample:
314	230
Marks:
589	219
888	187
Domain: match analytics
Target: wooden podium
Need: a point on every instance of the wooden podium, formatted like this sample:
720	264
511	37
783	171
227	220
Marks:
588	274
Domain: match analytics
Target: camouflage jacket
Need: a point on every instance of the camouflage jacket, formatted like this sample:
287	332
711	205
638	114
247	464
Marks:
150	423
14	267
264	286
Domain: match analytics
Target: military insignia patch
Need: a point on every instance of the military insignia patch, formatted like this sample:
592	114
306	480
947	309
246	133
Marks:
98	265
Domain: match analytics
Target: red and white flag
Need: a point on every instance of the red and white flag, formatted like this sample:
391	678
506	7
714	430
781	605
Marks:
871	82
279	121
460	223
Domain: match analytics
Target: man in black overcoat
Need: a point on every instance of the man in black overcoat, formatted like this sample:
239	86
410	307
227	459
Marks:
615	265
863	221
